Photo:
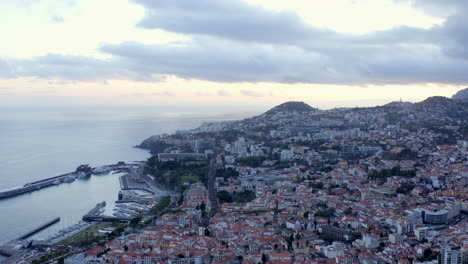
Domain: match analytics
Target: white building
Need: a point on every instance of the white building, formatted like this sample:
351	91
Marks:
421	233
286	155
371	241
451	255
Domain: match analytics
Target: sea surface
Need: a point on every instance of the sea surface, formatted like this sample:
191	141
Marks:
37	143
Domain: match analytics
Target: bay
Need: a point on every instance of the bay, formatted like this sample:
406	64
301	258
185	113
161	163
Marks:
37	143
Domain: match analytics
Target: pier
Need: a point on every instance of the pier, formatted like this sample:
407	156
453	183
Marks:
37	185
39	228
102	218
96	215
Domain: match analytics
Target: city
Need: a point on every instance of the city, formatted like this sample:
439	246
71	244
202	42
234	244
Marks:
300	185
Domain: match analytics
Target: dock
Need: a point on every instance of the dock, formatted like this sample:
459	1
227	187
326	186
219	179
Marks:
96	215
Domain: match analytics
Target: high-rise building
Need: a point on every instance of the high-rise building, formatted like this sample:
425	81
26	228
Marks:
451	255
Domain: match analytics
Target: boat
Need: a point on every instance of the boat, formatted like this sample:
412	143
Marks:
56	182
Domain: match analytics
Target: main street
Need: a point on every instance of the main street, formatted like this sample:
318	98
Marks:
212	192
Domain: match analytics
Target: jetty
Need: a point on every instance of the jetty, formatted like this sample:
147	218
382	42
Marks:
96	215
52	181
39	228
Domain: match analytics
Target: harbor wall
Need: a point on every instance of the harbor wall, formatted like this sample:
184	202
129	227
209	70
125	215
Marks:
37	185
39	228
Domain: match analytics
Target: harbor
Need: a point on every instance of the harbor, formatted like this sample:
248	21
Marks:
70	201
129	194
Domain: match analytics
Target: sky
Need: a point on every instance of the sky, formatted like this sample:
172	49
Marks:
328	53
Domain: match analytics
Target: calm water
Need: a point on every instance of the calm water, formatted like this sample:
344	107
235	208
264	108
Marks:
70	201
40	143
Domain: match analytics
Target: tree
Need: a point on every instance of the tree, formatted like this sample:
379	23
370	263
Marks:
135	221
356	235
381	246
224	197
244	196
348	211
163	203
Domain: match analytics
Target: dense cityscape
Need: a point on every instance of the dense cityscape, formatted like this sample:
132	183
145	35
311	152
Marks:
234	132
296	184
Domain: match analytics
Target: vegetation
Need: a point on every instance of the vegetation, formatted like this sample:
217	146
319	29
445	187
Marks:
251	161
395	171
428	255
227	173
51	256
405	154
163	204
405	188
316	185
327	212
155	147
88	236
239	197
174	173
224	197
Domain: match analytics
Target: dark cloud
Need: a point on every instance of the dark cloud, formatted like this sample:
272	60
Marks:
452	35
230	19
232	41
66	67
223	61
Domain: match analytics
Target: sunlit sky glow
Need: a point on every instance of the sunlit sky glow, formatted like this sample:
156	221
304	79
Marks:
254	52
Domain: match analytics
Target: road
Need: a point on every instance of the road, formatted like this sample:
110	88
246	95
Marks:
212	192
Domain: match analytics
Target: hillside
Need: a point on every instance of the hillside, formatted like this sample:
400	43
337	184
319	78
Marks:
292	106
461	95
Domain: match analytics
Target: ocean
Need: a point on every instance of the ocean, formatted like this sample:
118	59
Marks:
37	143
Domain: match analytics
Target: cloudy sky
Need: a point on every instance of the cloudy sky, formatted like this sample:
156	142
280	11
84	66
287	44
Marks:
258	52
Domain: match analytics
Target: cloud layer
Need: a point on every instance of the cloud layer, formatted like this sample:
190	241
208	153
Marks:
232	41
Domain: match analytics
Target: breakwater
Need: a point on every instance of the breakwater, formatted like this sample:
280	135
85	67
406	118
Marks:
34	186
39	228
52	181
